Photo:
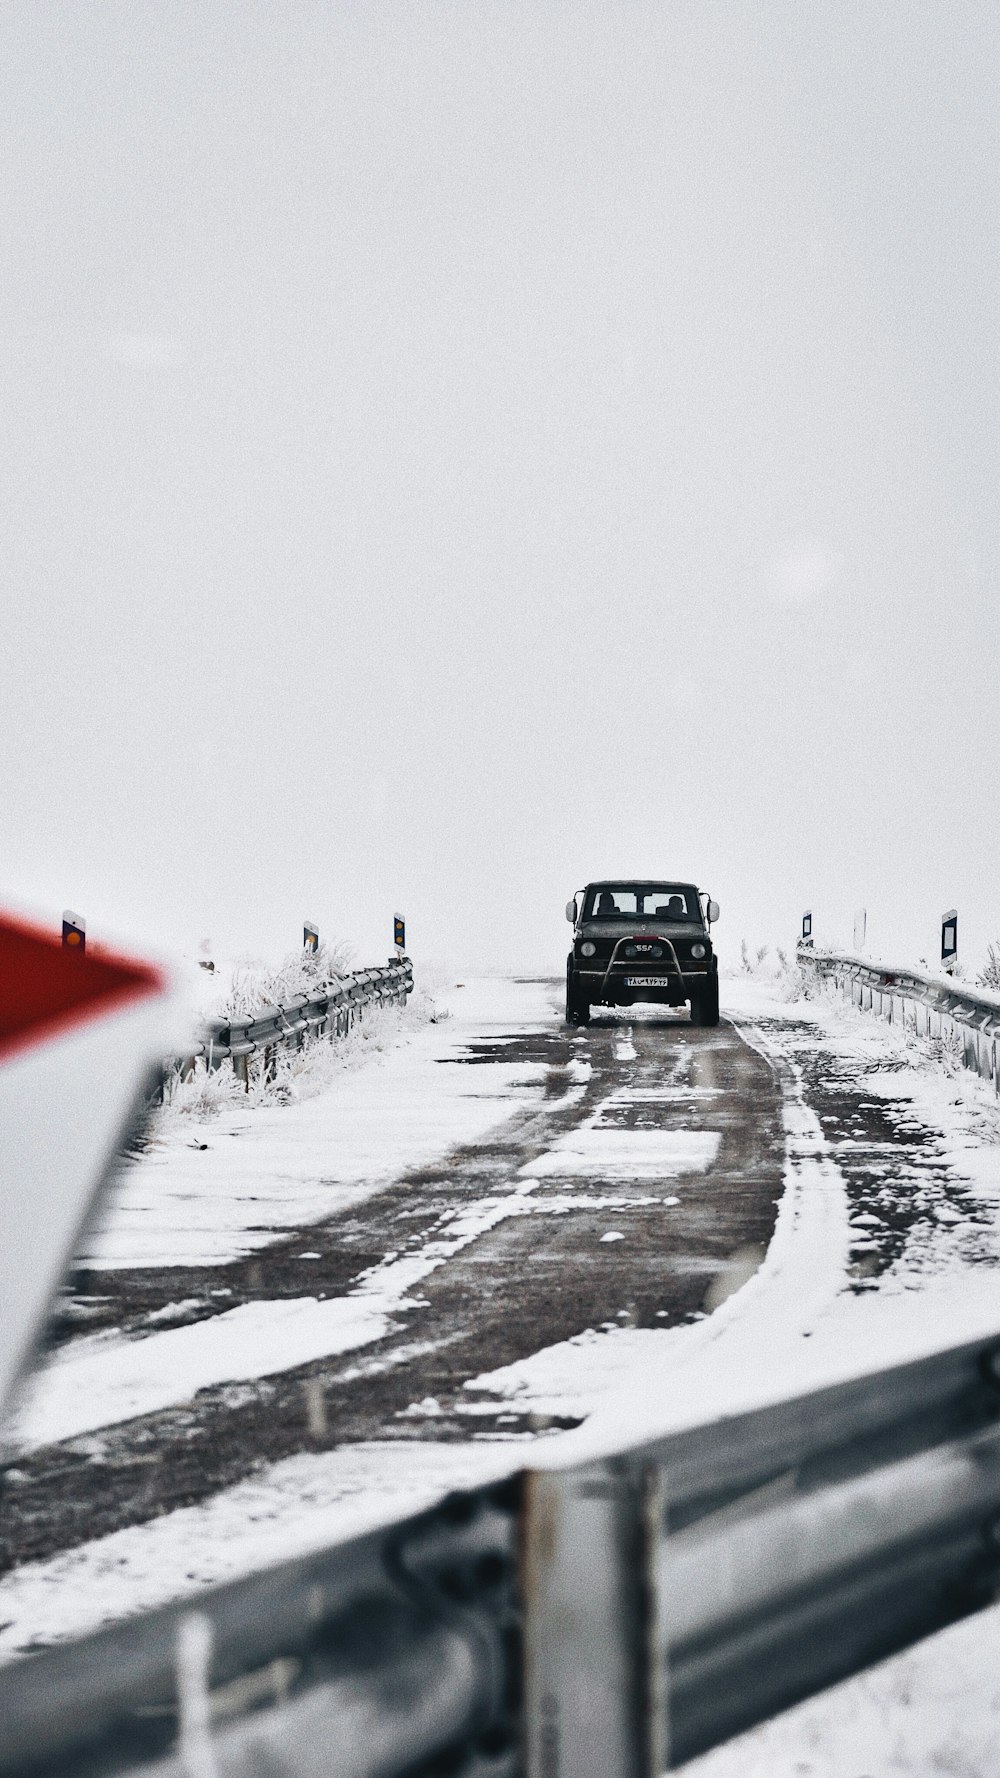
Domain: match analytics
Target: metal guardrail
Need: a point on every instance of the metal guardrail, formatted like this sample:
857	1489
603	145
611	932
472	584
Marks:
599	1622
329	1012
925	1004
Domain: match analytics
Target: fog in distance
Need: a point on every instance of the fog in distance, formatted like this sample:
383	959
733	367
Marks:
452	452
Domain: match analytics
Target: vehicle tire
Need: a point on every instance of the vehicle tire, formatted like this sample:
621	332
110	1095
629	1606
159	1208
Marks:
577	1009
705	1005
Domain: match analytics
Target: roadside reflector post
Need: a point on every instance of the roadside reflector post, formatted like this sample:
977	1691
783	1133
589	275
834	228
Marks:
949	940
860	930
74	931
807	927
310	939
399	933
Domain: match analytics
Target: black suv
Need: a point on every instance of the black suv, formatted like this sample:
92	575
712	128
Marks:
642	941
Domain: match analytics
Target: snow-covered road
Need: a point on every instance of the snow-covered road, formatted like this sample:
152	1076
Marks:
508	1229
561	1183
208	1192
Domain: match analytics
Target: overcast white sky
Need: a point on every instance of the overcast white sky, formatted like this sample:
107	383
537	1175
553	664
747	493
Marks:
454	451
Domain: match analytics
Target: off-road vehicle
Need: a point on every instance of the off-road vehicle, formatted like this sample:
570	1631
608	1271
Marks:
643	940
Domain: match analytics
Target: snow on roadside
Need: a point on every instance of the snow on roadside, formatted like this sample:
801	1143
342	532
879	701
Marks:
212	1191
933	1712
936	1708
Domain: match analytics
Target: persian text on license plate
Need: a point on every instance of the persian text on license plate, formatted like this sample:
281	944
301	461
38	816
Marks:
645	981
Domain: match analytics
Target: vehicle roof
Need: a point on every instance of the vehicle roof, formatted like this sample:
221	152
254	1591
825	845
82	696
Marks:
642	883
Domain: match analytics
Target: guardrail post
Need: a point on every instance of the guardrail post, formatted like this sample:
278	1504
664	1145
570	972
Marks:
592	1667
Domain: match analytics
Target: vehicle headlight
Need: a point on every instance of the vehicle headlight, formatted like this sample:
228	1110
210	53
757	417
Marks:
587	949
697	950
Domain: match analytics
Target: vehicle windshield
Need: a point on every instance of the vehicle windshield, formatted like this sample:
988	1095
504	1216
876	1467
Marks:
642	901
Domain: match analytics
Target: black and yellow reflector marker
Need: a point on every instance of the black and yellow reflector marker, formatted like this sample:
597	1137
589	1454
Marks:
399	932
74	932
310	939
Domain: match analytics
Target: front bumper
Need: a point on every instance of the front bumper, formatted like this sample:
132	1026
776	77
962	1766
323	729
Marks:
614	990
622	981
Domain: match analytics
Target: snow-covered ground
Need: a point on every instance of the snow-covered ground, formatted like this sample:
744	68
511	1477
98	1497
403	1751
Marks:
799	1321
392	1097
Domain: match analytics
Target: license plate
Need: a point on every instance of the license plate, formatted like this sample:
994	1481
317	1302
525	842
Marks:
645	981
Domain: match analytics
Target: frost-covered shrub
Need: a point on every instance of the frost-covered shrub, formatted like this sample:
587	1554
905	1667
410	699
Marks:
255	985
203	1094
752	963
294	1074
779	971
948	1050
989	975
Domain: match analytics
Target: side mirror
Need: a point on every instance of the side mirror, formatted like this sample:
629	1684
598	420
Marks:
571	912
713	912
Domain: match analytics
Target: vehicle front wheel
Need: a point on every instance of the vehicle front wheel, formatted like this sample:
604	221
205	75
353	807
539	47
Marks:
577	1008
705	1004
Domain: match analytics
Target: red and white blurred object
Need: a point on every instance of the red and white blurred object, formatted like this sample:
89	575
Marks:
79	1035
